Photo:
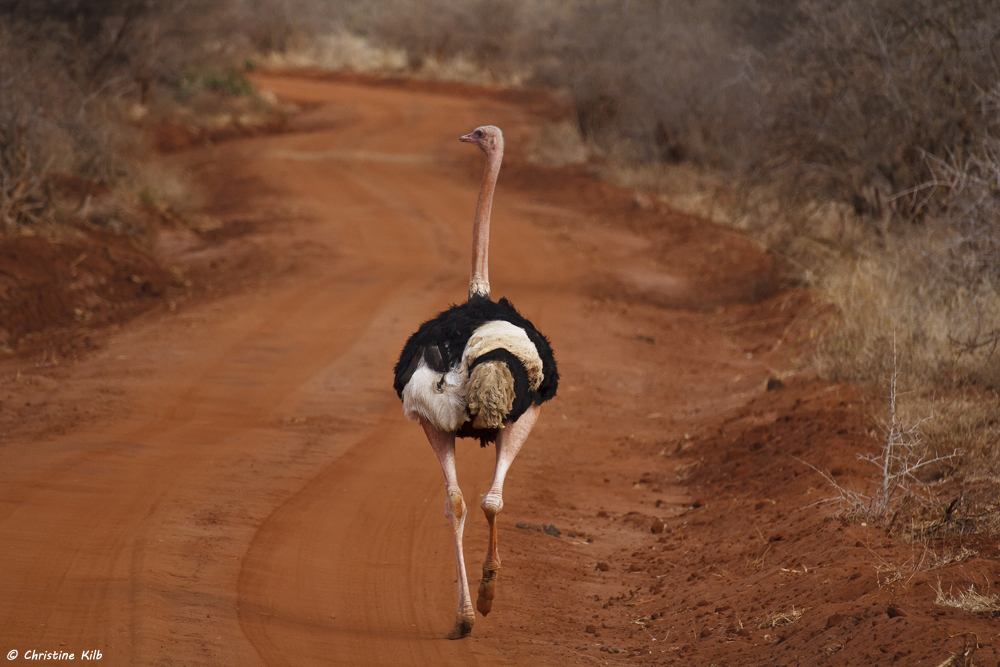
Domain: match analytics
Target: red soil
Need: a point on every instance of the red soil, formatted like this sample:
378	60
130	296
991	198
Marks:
231	480
53	294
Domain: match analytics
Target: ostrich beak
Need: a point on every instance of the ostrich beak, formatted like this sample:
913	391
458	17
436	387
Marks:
469	139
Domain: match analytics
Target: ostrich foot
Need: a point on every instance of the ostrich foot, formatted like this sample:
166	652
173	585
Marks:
487	590
462	629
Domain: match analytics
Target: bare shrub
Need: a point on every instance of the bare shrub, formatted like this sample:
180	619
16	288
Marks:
74	71
969	255
22	195
863	90
901	466
270	25
46	124
491	33
656	82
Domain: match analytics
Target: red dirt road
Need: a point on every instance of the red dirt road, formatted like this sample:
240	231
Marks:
234	482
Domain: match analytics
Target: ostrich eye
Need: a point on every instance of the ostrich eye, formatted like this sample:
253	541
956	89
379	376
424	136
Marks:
479	134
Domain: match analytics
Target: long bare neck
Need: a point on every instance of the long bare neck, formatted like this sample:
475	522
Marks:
479	283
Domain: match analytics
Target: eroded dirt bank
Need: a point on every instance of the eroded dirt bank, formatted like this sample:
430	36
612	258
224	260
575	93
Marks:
233	481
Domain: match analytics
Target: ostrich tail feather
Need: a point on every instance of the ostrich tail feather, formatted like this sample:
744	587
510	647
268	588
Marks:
490	394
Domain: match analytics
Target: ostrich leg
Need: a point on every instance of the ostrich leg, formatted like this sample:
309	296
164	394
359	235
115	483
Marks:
508	445
454	508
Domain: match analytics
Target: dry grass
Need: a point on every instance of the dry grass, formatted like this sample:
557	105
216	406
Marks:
939	320
963	659
968	600
558	144
888	572
340	50
779	619
165	187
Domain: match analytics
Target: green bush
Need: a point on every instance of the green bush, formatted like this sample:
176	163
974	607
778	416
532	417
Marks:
227	82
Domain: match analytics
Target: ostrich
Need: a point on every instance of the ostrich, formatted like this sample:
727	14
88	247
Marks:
477	370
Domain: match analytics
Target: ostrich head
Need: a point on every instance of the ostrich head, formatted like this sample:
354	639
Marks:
488	137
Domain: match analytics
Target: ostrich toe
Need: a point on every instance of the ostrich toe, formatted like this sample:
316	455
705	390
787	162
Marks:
487	590
462	629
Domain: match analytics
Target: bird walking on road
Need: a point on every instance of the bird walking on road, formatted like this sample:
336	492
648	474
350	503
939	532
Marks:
477	370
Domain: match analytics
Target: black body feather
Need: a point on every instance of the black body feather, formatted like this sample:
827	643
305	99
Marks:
441	343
